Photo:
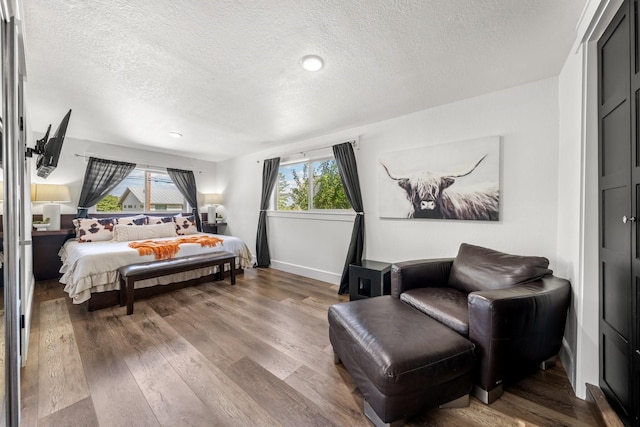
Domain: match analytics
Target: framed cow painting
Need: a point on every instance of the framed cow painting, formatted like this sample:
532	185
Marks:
457	180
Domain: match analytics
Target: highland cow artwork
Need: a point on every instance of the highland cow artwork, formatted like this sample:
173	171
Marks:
459	180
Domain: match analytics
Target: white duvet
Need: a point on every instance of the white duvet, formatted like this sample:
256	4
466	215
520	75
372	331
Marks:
93	266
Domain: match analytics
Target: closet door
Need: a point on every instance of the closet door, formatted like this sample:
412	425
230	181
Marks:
618	228
634	301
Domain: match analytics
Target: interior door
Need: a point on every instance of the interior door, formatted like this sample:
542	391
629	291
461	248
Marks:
618	173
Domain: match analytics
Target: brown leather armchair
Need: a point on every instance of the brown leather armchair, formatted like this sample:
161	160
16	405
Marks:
511	307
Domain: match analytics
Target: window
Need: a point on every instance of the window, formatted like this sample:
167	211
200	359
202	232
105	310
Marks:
144	190
295	182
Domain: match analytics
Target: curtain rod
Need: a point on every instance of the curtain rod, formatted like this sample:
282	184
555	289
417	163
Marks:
352	141
137	164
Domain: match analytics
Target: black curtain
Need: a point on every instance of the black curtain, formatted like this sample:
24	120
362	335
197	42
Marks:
269	176
348	169
100	178
186	183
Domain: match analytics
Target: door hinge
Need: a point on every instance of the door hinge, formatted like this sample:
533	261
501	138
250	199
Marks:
22	321
21	123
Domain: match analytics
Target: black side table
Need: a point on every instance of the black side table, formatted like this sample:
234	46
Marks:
371	279
213	227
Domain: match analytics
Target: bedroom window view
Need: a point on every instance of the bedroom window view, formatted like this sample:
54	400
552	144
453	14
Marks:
144	191
295	182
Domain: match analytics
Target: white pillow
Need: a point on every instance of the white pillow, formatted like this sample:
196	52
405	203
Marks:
126	233
159	219
185	224
94	229
133	220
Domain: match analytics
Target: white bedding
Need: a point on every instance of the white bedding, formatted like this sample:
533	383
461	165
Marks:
91	267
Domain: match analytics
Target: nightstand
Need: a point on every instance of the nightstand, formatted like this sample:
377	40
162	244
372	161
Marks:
213	227
45	247
371	279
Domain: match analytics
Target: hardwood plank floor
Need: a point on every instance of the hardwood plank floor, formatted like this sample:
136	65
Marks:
253	354
61	380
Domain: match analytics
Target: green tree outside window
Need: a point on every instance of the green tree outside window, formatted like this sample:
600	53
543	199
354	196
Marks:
109	204
294	183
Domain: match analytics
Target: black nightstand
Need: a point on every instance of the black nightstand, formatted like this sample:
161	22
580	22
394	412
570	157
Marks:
213	227
45	247
371	279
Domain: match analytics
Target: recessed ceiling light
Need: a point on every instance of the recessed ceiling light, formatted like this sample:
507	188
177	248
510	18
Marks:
312	63
175	134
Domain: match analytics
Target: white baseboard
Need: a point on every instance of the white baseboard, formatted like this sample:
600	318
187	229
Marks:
312	273
568	362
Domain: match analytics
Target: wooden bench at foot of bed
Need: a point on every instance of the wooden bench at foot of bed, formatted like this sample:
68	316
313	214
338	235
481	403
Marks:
130	274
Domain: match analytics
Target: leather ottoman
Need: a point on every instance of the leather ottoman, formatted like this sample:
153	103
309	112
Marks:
402	360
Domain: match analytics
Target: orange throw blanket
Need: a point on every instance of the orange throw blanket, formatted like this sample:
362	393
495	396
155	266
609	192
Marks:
164	249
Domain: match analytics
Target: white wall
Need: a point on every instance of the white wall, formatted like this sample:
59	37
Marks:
70	170
578	194
526	117
569	196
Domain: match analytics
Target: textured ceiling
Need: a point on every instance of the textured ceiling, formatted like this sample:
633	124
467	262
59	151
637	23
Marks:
226	73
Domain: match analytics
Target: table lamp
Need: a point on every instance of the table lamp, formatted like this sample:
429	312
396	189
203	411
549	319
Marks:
52	195
212	201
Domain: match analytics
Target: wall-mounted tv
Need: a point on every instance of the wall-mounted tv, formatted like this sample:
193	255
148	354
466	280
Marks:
49	150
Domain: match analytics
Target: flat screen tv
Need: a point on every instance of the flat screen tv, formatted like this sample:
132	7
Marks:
49	151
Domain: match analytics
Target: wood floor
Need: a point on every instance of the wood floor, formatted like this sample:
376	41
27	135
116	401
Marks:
253	354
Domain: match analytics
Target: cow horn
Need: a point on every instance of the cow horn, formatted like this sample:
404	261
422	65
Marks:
389	172
472	169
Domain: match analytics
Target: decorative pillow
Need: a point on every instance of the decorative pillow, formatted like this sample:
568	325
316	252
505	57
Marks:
160	219
94	229
481	269
125	233
133	220
185	224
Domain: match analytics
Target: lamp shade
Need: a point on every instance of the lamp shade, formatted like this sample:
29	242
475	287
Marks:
48	193
213	199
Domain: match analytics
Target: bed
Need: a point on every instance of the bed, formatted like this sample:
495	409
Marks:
90	269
